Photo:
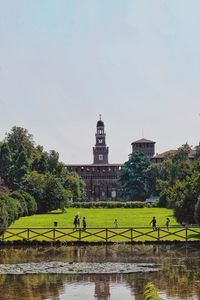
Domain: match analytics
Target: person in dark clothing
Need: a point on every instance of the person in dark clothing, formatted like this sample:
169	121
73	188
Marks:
84	224
75	222
153	223
167	223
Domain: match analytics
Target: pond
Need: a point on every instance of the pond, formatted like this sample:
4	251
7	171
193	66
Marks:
99	272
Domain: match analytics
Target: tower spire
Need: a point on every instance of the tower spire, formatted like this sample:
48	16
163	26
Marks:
100	151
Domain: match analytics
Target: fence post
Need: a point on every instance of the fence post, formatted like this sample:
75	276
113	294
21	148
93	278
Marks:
54	234
79	234
28	234
186	233
131	234
158	234
106	234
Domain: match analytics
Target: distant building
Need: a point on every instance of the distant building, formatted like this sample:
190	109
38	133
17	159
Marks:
159	158
145	146
100	177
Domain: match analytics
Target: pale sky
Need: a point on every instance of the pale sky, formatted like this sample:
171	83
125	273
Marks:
137	62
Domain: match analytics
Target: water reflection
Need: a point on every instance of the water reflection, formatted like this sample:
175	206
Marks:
179	277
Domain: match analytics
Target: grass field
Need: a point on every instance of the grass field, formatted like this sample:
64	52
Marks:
100	217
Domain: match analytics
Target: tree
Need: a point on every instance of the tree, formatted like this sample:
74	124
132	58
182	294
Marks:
133	177
55	194
20	137
40	164
46	189
185	198
75	187
197	211
6	163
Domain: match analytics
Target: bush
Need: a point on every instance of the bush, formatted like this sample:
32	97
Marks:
10	209
18	196
110	204
30	202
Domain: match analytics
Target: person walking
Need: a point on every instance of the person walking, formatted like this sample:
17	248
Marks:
75	222
167	223
116	223
84	224
153	223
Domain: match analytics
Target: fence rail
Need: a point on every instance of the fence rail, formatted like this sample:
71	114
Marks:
111	234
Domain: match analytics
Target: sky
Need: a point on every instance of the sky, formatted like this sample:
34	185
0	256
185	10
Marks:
136	62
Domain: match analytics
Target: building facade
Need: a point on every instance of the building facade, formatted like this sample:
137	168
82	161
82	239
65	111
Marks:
100	177
145	146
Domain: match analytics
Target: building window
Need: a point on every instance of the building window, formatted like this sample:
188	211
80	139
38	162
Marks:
100	156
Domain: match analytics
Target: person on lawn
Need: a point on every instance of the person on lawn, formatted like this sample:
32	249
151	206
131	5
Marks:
153	223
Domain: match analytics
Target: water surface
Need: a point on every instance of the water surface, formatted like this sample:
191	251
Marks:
176	276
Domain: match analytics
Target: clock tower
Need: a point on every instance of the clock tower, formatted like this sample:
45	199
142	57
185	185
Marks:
100	151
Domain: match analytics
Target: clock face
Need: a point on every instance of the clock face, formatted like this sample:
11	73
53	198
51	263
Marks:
100	141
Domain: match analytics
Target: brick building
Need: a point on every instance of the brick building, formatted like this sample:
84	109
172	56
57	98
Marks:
100	177
145	146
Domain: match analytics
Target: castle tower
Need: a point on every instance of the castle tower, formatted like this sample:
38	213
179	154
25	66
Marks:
145	146
100	151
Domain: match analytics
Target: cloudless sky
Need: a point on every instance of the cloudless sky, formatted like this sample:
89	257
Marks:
137	62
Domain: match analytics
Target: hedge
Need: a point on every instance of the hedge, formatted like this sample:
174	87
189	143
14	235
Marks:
104	204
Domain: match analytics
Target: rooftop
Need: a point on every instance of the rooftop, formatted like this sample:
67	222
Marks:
143	141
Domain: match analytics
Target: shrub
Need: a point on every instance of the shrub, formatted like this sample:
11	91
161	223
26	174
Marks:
30	202
18	196
10	209
110	204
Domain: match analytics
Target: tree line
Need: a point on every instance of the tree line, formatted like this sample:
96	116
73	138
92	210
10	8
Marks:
176	180
38	182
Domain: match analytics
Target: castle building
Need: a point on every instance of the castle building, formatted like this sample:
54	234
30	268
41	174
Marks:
145	146
100	177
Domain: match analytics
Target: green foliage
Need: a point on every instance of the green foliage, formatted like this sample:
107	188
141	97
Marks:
46	189
6	163
197	211
54	194
133	177
104	204
19	137
18	196
10	209
28	203
151	293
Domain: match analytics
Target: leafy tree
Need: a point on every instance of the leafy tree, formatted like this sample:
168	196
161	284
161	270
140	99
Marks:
55	194
185	200
34	184
40	164
75	187
21	168
197	211
12	206
46	189
20	137
133	177
18	196
6	163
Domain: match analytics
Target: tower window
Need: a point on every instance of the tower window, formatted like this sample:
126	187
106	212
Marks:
100	156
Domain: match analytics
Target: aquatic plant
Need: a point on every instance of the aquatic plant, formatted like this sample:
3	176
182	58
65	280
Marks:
151	292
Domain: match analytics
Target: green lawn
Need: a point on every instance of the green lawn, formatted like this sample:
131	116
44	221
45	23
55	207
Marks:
100	217
129	219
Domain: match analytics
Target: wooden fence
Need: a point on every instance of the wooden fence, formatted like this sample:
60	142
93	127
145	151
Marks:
120	234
